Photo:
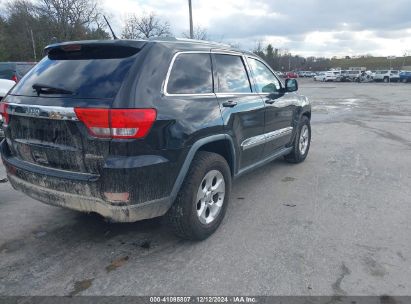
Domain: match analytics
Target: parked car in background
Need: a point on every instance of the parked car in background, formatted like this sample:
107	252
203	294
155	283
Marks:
320	76
366	76
291	75
405	76
387	76
5	86
353	75
142	129
327	76
343	76
332	75
15	70
305	74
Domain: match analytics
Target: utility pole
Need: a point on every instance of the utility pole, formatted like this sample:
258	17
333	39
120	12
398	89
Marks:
33	44
191	19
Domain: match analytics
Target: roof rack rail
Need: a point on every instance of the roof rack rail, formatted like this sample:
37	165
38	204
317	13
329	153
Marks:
175	39
202	41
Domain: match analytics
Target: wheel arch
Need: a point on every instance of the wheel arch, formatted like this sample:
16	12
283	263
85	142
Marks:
307	114
221	144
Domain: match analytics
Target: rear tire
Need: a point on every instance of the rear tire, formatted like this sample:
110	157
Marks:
201	204
302	141
386	80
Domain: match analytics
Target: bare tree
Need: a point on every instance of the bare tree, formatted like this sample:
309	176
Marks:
199	33
69	17
27	26
145	27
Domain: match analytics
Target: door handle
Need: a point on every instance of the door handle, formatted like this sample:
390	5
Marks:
229	104
270	101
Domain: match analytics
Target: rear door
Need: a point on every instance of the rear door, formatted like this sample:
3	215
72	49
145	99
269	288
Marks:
279	108
242	109
43	128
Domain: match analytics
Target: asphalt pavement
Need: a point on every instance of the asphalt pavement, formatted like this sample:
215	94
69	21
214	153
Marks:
337	224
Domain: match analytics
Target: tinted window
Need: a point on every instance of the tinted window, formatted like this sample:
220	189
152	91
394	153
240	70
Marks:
80	73
23	69
231	74
265	80
191	74
6	70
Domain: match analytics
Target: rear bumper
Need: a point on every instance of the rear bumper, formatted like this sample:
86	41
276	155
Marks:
148	180
129	213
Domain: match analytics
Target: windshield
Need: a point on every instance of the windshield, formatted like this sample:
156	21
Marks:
92	72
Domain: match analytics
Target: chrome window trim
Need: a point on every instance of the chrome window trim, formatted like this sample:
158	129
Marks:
282	85
235	94
170	67
212	51
264	138
44	112
247	72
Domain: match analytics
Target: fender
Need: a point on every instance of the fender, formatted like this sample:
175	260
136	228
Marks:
304	107
190	156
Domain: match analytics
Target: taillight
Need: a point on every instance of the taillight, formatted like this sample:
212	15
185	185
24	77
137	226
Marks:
14	78
3	112
117	123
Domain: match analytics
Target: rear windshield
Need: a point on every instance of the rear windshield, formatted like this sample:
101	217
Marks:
80	71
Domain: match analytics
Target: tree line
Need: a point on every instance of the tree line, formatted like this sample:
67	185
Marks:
27	26
283	60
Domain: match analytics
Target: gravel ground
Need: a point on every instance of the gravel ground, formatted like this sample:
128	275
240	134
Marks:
337	224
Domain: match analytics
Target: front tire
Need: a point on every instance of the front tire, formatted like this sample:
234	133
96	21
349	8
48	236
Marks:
302	141
201	204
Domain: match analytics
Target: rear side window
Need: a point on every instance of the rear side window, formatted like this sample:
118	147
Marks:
94	71
231	74
191	74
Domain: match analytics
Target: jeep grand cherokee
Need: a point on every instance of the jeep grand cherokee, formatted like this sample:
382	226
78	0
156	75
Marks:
134	130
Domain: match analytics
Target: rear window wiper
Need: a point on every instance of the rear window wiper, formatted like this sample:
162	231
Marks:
46	89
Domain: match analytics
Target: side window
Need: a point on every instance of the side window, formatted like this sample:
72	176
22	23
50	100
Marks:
23	69
265	80
231	74
191	74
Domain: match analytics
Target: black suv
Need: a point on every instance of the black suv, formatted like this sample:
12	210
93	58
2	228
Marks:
139	129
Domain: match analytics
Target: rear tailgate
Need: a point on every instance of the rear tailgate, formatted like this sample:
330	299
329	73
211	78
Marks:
42	126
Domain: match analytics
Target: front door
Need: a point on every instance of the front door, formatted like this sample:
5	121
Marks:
279	108
241	108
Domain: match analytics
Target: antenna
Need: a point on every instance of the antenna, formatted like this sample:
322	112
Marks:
112	32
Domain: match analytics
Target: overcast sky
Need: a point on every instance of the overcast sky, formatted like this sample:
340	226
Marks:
305	27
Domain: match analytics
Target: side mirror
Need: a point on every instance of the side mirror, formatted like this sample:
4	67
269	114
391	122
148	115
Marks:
291	85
